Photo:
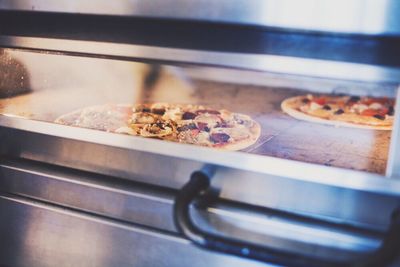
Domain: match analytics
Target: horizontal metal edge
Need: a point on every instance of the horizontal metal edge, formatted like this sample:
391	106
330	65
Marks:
342	178
94	218
258	62
80	181
87	192
364	17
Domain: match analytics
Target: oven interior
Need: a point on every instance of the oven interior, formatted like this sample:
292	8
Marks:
43	86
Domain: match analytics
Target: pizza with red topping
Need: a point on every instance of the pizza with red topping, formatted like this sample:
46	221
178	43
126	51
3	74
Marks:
350	111
190	124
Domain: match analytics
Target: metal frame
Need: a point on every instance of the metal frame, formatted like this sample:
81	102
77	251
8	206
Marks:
361	17
247	162
271	63
393	166
275	183
152	207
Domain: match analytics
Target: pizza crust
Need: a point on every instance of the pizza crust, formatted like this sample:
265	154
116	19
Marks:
290	106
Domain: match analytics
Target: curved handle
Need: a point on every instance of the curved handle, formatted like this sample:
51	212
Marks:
200	182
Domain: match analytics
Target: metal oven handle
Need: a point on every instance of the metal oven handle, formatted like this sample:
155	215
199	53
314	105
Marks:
200	182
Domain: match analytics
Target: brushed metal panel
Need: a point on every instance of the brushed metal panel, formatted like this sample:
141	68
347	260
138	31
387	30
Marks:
34	235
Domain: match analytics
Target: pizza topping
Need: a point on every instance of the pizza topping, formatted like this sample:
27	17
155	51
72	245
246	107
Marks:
315	106
305	100
210	119
222	124
158	129
326	107
143	117
381	100
354	99
368	112
174	114
371	112
203	126
188	116
320	101
158	111
378	116
203	138
375	106
339	111
390	111
190	126
219	137
383	111
195	132
359	108
237	133
209	111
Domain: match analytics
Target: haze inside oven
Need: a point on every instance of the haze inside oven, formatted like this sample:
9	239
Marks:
63	83
60	84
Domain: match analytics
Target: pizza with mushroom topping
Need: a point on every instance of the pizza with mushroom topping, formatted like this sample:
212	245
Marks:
184	123
350	111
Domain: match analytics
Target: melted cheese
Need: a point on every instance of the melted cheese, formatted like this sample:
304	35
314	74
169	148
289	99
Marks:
315	106
174	114
142	118
375	106
358	108
211	119
203	138
238	133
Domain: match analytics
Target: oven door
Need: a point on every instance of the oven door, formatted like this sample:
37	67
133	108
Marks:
57	215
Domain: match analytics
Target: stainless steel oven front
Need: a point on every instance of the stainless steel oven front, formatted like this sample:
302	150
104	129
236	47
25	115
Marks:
304	194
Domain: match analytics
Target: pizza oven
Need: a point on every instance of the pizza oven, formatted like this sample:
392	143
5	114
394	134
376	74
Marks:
304	194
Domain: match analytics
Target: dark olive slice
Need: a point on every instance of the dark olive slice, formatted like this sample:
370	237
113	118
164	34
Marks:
158	111
326	107
380	117
219	137
188	116
190	126
339	111
202	126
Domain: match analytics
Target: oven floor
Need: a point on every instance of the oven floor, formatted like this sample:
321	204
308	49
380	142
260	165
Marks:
286	137
282	136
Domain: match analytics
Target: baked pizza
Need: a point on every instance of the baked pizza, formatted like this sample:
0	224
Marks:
351	111
190	124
